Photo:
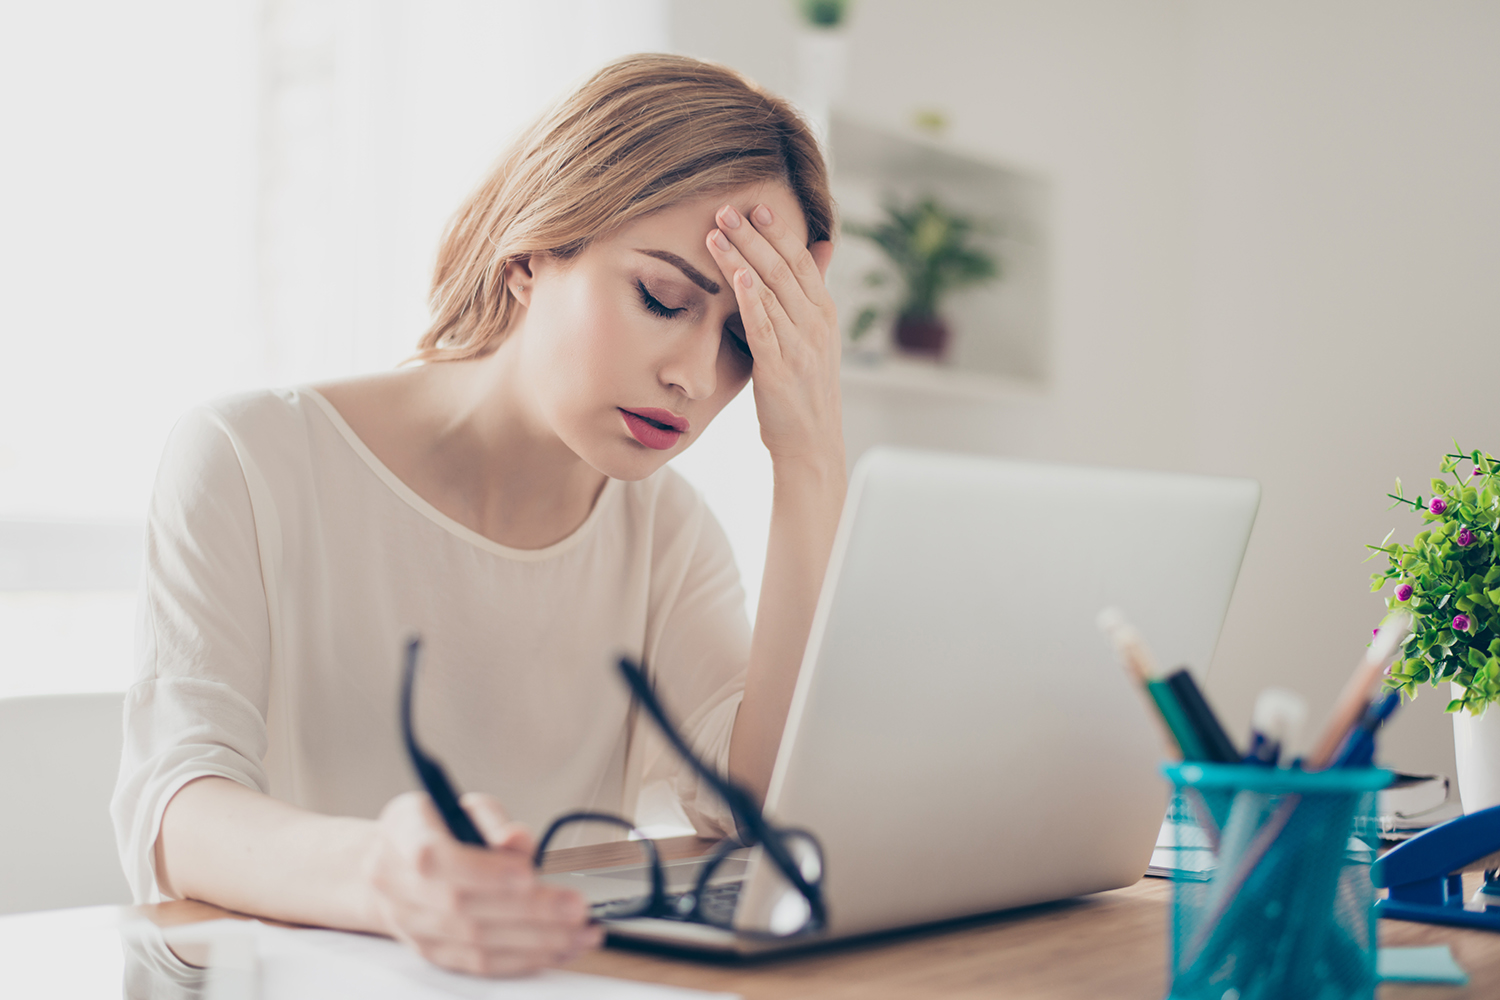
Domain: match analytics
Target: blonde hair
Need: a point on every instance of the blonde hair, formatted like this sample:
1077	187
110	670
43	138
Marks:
644	133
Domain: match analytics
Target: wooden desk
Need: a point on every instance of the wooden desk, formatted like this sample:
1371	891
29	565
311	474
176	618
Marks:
1112	944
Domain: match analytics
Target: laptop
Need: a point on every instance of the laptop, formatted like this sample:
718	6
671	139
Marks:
962	739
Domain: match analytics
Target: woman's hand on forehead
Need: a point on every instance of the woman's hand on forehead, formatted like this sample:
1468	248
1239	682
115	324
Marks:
791	327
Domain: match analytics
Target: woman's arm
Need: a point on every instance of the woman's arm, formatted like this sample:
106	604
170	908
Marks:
791	327
237	848
804	515
477	910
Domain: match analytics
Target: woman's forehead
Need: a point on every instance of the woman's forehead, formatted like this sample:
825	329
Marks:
694	217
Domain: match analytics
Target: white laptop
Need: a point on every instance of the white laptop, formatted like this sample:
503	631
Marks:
962	739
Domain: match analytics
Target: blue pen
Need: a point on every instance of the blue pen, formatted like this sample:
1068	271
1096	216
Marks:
1359	747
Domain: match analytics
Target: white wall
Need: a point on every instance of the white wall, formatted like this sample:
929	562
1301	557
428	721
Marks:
1275	228
127	216
201	198
1346	247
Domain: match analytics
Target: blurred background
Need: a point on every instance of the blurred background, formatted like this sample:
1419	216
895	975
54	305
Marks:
1246	237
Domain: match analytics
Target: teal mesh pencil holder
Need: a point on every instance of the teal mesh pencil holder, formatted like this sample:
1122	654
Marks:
1288	912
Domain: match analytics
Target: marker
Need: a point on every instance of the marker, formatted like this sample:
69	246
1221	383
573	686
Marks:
1216	744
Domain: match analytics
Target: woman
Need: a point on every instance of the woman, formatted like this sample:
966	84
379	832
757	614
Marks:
654	241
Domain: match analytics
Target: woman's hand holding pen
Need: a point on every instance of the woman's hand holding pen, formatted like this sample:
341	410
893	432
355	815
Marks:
477	910
791	326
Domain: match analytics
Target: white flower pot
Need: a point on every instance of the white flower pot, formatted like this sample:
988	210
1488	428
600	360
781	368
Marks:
822	64
1476	743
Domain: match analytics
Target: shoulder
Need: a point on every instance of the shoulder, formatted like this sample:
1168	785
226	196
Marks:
255	414
264	428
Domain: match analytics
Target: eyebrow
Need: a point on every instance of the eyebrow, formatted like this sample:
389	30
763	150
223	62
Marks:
696	276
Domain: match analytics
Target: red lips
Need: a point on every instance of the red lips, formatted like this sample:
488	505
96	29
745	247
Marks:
653	427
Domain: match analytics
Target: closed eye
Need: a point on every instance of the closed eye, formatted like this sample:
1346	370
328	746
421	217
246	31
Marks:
654	305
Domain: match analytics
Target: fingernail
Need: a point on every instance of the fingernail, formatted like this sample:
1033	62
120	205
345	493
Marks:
729	217
744	278
719	240
762	215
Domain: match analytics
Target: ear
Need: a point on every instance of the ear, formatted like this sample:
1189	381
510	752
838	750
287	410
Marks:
519	279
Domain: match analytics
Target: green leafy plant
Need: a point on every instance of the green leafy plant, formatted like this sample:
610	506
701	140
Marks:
824	13
932	251
1448	579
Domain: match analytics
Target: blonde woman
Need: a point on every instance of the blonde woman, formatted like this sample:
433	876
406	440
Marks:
653	244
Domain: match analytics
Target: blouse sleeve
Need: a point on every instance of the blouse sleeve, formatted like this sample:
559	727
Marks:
697	656
198	704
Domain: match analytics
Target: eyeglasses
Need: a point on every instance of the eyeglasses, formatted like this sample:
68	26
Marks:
795	854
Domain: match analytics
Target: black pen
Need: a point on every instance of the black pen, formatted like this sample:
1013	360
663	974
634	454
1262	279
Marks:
1218	748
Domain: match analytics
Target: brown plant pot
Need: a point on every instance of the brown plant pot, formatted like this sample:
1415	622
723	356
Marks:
923	335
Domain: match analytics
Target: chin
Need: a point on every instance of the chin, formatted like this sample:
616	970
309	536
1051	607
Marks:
629	462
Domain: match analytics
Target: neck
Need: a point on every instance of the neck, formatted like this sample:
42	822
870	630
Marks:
494	456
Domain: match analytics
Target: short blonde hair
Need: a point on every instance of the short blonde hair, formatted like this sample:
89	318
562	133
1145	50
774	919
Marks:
644	133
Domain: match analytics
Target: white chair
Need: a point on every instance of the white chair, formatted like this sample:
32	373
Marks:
58	759
59	752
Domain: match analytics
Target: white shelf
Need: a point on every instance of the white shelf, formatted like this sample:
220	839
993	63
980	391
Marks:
929	378
1000	331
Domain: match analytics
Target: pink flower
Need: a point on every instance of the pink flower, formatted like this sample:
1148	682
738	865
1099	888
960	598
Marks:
1437	505
1461	623
1465	537
1403	592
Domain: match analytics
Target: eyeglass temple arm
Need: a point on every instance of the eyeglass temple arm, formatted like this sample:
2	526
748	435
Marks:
746	813
431	773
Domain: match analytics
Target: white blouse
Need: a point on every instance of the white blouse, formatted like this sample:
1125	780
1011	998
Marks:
285	568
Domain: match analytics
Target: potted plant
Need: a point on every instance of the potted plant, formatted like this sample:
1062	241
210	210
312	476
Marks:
932	251
1448	579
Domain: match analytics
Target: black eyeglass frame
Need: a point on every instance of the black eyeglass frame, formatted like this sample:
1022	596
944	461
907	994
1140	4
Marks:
753	827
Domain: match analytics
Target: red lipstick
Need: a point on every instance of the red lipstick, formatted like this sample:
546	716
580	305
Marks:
653	427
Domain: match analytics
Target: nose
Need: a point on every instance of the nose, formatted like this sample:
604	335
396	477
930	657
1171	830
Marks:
692	366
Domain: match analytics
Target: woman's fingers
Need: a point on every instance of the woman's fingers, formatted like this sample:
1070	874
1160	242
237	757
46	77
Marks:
495	826
517	956
778	255
756	304
478	909
761	310
487	813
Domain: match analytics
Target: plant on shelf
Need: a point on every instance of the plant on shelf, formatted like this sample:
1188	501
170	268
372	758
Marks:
823	13
933	253
1448	578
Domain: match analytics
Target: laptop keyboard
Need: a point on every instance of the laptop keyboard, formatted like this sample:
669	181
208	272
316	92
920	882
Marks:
719	901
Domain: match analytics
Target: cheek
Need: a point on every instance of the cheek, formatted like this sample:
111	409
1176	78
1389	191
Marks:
583	349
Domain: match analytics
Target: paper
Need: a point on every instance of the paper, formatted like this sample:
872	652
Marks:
253	959
1419	965
1182	851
